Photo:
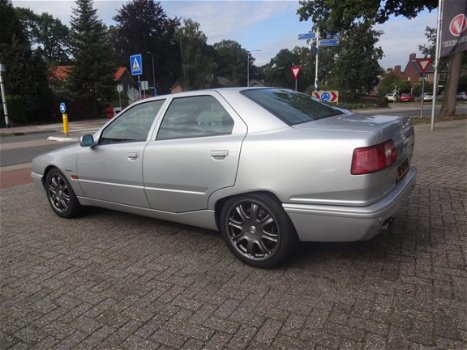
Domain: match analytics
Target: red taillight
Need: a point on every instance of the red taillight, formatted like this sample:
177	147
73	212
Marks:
370	159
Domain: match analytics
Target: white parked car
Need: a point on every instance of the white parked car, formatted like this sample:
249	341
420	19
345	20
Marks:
392	97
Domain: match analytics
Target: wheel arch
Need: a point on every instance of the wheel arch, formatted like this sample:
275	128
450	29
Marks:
46	171
220	202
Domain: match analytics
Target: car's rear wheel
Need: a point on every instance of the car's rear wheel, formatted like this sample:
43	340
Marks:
61	197
257	230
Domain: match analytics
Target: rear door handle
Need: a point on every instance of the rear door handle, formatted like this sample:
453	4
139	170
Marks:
133	155
219	155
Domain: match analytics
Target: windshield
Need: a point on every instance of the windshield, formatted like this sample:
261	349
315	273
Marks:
291	107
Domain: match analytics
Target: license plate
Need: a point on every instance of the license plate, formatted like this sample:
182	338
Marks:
402	170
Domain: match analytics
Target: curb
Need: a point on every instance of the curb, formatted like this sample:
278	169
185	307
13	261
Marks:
62	139
21	133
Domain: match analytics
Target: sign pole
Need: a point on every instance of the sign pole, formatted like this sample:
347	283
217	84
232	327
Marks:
296	84
64	118
139	86
423	91
317	55
437	51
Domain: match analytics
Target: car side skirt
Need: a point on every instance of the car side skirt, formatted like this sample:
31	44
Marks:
201	218
326	223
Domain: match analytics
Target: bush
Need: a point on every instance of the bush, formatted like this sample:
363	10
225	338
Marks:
16	109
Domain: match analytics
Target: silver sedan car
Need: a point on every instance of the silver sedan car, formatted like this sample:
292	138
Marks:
266	167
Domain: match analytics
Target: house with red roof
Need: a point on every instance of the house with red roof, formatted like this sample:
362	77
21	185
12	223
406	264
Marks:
122	75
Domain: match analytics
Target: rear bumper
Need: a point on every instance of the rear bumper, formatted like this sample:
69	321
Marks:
326	223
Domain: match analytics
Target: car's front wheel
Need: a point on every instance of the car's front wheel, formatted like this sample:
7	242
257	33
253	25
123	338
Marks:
61	197
257	230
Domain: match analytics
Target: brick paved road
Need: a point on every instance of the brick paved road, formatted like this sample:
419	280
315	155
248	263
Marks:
111	280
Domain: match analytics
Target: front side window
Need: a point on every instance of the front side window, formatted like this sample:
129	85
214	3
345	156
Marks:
133	125
196	116
291	107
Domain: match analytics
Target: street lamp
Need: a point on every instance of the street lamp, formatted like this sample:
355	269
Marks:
153	74
248	66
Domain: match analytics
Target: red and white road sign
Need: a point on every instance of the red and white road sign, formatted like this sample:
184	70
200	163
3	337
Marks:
423	63
458	25
327	96
295	71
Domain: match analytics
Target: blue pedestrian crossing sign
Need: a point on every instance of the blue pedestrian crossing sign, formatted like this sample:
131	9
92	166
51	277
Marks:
136	64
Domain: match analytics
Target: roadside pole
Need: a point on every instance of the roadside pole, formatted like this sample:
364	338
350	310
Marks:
64	118
437	52
423	91
119	90
2	87
316	60
423	64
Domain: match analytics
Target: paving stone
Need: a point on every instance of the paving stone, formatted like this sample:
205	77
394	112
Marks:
218	341
134	342
268	331
111	280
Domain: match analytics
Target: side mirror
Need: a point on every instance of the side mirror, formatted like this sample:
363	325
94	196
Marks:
86	141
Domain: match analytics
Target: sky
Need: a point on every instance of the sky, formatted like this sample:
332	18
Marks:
267	26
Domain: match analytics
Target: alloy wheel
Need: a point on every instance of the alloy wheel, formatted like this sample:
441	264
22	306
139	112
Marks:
253	230
59	193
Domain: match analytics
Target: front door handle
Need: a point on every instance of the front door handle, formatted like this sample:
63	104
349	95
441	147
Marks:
133	155
220	154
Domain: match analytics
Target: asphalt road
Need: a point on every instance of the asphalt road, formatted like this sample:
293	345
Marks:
412	110
22	149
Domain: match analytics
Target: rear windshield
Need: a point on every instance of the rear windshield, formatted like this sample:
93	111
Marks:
291	107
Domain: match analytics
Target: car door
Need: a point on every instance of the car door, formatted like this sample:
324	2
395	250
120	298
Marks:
195	152
112	169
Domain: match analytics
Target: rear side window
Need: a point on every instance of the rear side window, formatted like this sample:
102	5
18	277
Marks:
196	116
291	107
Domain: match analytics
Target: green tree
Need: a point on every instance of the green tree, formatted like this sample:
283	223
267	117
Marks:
231	60
390	83
28	95
92	76
356	67
277	72
13	31
143	27
47	34
197	66
334	16
307	61
417	89
448	106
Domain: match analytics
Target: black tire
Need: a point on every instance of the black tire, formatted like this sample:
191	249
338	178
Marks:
257	230
61	196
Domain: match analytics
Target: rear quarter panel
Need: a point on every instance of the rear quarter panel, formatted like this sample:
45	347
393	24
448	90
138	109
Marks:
311	165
